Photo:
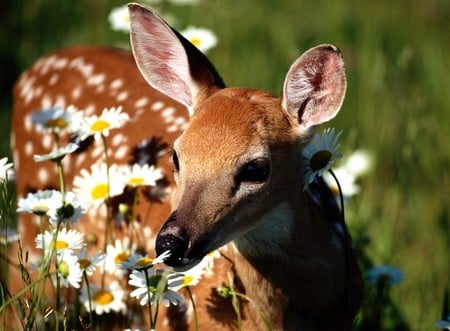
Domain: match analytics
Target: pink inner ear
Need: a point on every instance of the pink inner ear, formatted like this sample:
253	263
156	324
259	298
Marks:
315	86
160	56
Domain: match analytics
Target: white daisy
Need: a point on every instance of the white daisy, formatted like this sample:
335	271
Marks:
201	38
319	155
118	253
359	163
57	154
110	118
68	269
55	119
119	19
93	186
89	264
65	240
192	276
6	170
104	300
139	262
158	286
347	181
72	210
141	175
384	274
41	203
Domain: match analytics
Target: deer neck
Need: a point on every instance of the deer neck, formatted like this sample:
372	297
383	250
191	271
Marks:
278	261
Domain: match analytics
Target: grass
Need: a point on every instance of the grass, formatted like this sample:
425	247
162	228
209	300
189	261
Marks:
397	57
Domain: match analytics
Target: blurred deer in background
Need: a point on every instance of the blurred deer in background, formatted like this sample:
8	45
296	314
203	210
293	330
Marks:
237	167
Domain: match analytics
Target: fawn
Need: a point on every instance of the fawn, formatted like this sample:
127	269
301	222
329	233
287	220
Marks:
237	174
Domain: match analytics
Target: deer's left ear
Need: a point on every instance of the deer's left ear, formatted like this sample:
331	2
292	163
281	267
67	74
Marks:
314	87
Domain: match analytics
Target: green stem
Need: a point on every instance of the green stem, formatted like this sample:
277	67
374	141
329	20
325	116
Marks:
133	216
108	227
149	303
194	307
346	244
86	280
27	288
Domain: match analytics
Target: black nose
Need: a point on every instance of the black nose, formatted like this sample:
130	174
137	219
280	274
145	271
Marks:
172	238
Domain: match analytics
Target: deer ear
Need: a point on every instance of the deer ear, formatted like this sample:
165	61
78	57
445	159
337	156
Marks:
169	62
314	86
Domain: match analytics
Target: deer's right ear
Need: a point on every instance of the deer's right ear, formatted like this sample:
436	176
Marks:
169	62
314	87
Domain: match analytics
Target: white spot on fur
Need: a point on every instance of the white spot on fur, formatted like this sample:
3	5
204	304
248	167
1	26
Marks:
53	79
76	92
168	112
116	83
60	100
38	91
100	89
80	159
96	79
27	88
29	148
121	152
43	175
122	96
147	231
79	64
16	157
172	128
180	121
46	101
90	109
47	142
158	105
97	151
118	139
28	123
142	102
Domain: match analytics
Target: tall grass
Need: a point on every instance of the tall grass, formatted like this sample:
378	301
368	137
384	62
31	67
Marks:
397	57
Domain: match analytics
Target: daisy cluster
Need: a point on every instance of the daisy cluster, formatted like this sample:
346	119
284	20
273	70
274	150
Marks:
202	38
66	256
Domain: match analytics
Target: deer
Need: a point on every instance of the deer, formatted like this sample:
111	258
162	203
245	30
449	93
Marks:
232	162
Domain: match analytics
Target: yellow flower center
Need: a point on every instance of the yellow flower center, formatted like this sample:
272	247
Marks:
40	209
196	41
136	181
143	261
99	191
99	125
121	257
103	297
60	244
188	280
320	160
59	123
84	263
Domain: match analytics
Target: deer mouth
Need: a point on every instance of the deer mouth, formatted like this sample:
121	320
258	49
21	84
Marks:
178	246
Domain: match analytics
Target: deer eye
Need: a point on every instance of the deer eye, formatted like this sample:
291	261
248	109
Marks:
254	172
175	161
